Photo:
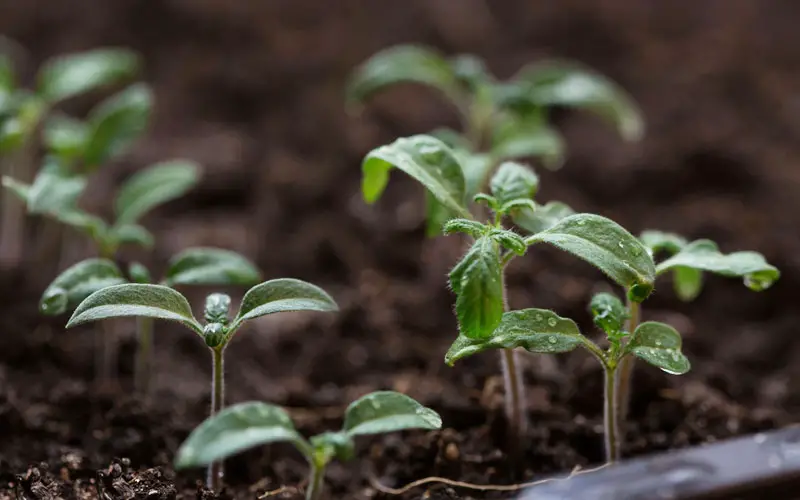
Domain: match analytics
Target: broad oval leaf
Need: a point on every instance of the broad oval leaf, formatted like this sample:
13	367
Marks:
535	330
608	312
704	255
478	283
135	299
607	246
211	266
235	429
153	186
424	158
403	64
659	344
388	411
116	123
512	181
65	137
132	234
660	241
78	282
18	189
284	294
543	217
66	76
55	188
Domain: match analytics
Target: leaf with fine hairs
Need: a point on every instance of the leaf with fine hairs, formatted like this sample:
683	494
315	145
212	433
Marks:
280	295
65	76
55	188
210	266
543	217
77	282
512	181
660	241
660	345
608	312
135	299
388	411
154	186
237	428
478	283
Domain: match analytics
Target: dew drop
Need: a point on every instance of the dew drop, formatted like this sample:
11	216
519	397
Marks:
552	339
552	322
581	222
621	244
658	342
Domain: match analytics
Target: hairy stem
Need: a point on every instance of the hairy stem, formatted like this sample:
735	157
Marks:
214	479
144	354
316	481
611	416
624	375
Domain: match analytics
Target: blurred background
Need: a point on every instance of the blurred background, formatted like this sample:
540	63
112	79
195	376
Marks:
253	91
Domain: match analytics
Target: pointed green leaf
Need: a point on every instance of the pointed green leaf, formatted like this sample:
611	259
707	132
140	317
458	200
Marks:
18	189
139	273
133	234
116	123
284	294
660	241
477	167
66	76
235	429
55	188
704	255
134	299
659	344
509	240
210	266
514	138
478	284
608	312
388	411
607	246
424	158
402	64
536	330
153	186
470	227
76	283
687	282
543	217
512	181
65	137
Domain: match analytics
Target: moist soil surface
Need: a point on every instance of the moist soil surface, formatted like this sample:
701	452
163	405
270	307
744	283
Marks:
253	90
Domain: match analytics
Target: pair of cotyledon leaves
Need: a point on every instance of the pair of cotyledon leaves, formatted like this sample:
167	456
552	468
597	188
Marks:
194	266
246	425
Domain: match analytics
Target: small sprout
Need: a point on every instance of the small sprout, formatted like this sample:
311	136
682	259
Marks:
247	425
513	181
218	306
609	313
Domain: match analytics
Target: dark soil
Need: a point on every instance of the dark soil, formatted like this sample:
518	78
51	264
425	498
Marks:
253	91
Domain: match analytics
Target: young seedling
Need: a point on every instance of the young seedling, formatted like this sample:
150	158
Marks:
161	302
195	266
24	113
247	425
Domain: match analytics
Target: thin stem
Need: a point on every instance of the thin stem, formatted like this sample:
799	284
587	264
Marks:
214	479
624	375
105	346
610	417
144	354
316	481
514	395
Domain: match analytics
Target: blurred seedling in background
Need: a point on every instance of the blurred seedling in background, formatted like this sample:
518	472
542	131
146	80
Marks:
194	266
162	302
30	119
247	425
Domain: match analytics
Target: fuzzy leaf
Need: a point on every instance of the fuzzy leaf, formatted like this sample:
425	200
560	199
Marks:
660	241
424	158
211	266
543	217
403	64
509	240
659	344
133	234
608	312
478	284
66	76
704	255
516	138
512	181
235	429
153	186
470	227
388	411
134	299
18	189
65	137
76	283
284	294
536	330
607	246
55	188
117	123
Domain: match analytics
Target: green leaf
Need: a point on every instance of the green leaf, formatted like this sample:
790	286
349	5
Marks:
134	299
436	215
76	283
402	64
478	283
424	158
566	83
467	226
704	255
660	241
117	123
608	312
153	186
454	140
66	76
659	344
509	240
543	217
210	266
65	137
12	134
18	189
133	234
284	294
388	411
139	273
515	137
476	167
607	246
333	444
7	78
687	282
512	181
55	188
92	226
235	429
536	330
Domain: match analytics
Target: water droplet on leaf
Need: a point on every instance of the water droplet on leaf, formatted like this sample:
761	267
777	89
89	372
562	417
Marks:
552	322
552	339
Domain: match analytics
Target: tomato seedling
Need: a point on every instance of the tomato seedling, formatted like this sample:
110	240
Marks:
162	302
247	425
